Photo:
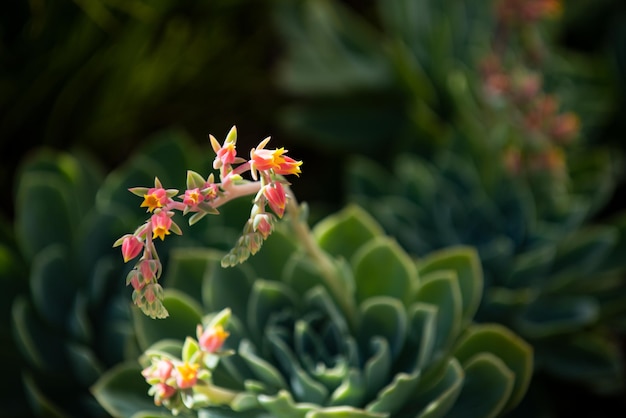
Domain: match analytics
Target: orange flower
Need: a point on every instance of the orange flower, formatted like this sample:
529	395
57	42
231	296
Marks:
154	199
161	224
186	375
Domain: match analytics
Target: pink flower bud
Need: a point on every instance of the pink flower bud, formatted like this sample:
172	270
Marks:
131	247
212	339
262	224
276	197
163	391
193	197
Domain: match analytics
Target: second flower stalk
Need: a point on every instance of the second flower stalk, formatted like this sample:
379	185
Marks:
202	197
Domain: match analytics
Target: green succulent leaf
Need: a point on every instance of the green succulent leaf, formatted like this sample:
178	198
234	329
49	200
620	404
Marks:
123	392
351	391
268	298
84	363
44	213
185	315
392	397
435	398
226	288
487	386
580	357
465	262
53	297
283	406
44	405
384	317
381	267
421	336
186	270
273	256
337	55
377	369
582	254
531	267
30	331
498	340
305	388
264	370
344	232
441	289
557	314
343	412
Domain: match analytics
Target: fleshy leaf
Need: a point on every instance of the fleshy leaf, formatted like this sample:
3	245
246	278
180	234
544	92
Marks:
580	357
283	406
436	400
44	214
393	396
343	412
486	389
53	298
441	289
122	391
266	299
186	270
304	388
385	317
557	314
264	370
377	368
271	259
382	268
465	262
185	315
227	287
508	347
343	233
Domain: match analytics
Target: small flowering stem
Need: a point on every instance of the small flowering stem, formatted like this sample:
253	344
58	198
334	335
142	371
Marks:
236	191
217	395
324	263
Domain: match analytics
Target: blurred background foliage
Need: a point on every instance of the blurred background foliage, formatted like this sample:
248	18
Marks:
103	75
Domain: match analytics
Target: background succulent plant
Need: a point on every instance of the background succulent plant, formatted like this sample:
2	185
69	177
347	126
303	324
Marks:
73	320
396	340
403	83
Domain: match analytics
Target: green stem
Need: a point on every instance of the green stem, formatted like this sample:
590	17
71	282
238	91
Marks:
216	394
323	261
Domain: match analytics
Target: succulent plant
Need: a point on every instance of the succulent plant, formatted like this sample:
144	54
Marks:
559	283
73	321
336	322
478	156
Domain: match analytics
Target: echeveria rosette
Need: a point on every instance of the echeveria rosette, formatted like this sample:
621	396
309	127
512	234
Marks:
73	320
392	337
553	277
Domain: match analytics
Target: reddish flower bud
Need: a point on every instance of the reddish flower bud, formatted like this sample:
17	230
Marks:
131	247
212	339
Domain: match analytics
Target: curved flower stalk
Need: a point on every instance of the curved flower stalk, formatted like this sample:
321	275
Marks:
70	319
202	197
332	322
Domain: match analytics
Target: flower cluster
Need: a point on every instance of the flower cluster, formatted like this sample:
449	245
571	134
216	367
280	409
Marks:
516	86
527	11
204	196
184	383
545	129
